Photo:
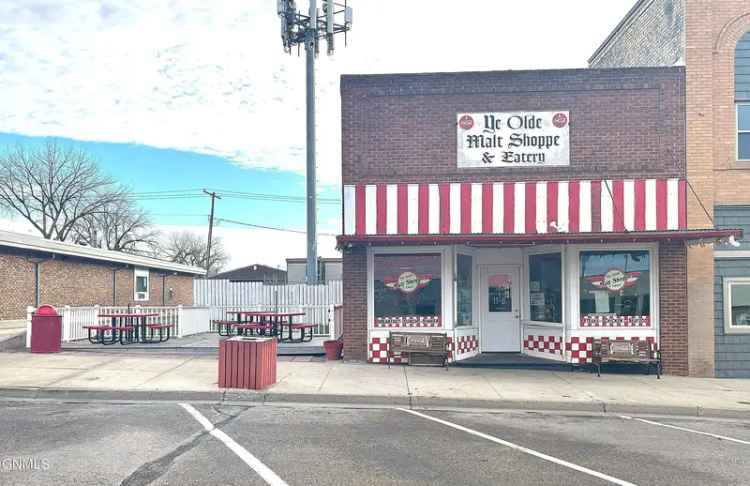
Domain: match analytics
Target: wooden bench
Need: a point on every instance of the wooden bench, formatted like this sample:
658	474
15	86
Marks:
606	350
423	348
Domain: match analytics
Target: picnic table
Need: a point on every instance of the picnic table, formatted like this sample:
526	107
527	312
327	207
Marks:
135	324
267	322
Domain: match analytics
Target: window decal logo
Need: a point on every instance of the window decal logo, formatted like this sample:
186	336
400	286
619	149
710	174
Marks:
408	282
614	280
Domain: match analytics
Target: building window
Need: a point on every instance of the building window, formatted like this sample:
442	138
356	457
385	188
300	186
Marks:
742	96
141	285
743	131
464	289
615	288
545	287
407	290
737	305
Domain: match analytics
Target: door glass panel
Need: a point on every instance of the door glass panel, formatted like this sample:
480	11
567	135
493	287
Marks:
499	288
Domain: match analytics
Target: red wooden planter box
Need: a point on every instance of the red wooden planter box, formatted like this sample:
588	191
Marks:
246	362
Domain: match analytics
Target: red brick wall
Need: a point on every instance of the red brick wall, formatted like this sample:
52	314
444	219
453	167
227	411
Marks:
673	313
16	286
355	303
624	122
71	281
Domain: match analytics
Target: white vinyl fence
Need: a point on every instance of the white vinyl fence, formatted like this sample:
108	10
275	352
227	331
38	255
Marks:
316	301
187	320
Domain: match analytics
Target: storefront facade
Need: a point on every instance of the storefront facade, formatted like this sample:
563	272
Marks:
524	212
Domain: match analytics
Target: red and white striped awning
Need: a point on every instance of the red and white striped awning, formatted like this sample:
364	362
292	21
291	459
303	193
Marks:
516	208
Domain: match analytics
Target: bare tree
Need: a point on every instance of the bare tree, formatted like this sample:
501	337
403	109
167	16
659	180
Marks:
119	226
191	249
54	187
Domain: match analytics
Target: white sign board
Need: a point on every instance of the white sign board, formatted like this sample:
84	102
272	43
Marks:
513	139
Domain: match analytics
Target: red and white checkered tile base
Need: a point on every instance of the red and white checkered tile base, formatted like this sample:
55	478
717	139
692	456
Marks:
543	344
615	321
466	344
580	348
408	321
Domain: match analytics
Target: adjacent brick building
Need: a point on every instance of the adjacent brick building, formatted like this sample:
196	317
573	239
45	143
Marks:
37	271
712	40
522	211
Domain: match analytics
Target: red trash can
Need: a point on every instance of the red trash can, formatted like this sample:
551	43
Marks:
247	362
46	330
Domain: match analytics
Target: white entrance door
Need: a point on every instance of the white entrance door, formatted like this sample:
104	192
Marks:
501	323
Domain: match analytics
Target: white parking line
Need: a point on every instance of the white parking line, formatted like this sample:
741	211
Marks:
263	471
526	450
684	429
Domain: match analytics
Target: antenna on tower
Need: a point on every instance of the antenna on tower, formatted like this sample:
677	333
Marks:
298	29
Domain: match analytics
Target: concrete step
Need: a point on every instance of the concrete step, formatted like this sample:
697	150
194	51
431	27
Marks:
13	325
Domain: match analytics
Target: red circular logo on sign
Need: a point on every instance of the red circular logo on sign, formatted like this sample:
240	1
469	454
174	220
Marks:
560	120
466	122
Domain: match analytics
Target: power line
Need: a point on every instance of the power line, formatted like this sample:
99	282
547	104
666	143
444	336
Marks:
273	228
187	194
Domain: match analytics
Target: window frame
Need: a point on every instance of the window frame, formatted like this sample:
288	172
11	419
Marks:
727	283
446	276
465	251
737	130
573	280
141	272
526	276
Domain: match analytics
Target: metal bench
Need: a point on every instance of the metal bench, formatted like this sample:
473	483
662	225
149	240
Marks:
254	327
423	348
226	324
301	326
606	350
160	327
102	329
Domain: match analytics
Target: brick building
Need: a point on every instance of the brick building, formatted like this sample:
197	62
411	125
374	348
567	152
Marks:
522	211
712	40
37	271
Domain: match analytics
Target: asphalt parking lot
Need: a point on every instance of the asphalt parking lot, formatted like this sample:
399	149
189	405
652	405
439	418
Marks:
197	444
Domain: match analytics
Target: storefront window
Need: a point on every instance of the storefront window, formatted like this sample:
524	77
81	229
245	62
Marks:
615	288
407	289
737	305
545	287
463	290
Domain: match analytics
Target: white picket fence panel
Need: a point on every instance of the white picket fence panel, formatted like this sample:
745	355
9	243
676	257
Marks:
316	301
187	320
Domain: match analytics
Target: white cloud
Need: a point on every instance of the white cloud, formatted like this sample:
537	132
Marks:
211	77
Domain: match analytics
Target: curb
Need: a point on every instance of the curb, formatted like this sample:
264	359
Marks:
239	397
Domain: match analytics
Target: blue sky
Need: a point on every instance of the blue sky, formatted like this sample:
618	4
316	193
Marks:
147	169
186	94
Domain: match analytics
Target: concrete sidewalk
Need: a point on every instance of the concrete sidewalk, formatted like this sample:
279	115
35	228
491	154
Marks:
136	377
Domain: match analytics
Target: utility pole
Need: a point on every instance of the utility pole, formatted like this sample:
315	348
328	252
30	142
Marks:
311	273
297	29
214	196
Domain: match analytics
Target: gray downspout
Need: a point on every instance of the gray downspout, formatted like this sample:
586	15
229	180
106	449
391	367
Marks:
37	285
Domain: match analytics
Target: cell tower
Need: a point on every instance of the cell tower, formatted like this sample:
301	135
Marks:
309	29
